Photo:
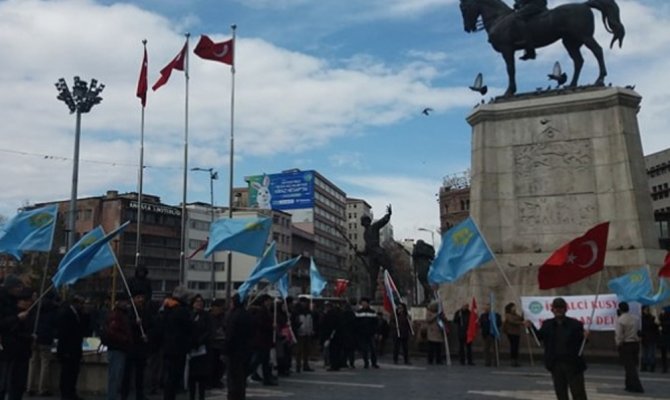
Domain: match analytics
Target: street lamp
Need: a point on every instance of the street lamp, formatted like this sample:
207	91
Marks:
82	98
432	235
213	175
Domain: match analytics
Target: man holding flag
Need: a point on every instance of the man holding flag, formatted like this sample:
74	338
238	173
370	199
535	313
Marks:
462	322
490	323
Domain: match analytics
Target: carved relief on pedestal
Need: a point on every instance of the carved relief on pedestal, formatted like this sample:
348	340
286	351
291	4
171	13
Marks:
553	168
556	214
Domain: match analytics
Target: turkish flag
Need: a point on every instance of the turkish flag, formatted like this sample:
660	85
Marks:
341	286
221	52
177	63
576	259
142	84
473	322
665	271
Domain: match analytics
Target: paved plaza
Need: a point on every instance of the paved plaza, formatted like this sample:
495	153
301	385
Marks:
421	381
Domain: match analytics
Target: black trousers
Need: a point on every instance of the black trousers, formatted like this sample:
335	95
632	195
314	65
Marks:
464	351
568	375
13	377
397	345
367	347
134	370
435	352
69	373
236	378
514	347
173	365
630	356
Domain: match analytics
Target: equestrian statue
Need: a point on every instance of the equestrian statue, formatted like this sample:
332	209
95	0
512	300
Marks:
530	25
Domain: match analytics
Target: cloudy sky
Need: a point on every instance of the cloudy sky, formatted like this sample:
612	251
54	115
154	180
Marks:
332	85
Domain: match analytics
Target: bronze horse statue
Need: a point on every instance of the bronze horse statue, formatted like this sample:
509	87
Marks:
571	23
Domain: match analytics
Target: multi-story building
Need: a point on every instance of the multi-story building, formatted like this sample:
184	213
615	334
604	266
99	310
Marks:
316	205
356	208
454	200
658	172
160	236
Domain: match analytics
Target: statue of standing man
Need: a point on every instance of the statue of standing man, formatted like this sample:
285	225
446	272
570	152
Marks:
376	255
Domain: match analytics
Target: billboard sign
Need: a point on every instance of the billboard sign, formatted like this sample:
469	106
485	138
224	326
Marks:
284	191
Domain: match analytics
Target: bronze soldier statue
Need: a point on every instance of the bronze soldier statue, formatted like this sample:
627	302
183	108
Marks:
526	10
422	256
376	255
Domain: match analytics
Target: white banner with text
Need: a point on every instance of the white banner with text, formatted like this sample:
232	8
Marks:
537	309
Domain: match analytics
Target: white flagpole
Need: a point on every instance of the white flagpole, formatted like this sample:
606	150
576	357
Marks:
593	311
42	293
387	285
140	181
229	269
130	295
182	255
509	284
444	329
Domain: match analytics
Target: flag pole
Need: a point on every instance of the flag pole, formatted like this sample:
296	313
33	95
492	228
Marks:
509	284
39	301
140	178
229	269
443	328
593	311
182	254
130	295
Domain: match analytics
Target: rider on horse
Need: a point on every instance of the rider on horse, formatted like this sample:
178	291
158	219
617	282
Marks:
526	10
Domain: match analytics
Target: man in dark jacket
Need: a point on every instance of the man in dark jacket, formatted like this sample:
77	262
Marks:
38	375
118	339
262	342
238	348
562	338
138	351
461	318
177	330
366	327
218	316
489	339
71	324
17	343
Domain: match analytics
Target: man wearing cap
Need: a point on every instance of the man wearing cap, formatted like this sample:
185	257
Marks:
562	338
366	326
628	343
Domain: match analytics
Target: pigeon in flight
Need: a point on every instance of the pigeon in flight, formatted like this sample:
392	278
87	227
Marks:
558	75
427	111
478	85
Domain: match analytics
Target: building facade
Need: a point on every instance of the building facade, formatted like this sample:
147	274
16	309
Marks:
454	200
658	173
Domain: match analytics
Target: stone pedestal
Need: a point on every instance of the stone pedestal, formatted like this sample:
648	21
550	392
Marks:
545	169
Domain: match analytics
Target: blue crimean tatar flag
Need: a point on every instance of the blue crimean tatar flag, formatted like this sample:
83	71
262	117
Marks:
661	296
462	249
282	286
316	281
88	256
269	259
30	230
243	235
632	286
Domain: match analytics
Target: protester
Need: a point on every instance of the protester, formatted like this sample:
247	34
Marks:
285	340
261	314
198	361
512	327
628	344
38	375
16	329
664	319
136	359
401	330
238	348
140	283
382	333
366	326
177	329
649	336
155	348
303	325
487	335
118	339
70	326
347	328
562	338
332	338
435	333
217	315
461	320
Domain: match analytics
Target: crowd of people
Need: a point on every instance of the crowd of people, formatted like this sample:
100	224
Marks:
178	345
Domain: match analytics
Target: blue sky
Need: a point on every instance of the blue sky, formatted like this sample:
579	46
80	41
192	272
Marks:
335	86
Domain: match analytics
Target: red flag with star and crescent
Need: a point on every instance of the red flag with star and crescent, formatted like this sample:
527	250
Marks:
575	260
221	52
176	63
142	83
665	270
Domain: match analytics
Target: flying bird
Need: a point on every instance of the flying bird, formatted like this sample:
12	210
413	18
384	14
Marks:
479	86
427	111
558	75
631	87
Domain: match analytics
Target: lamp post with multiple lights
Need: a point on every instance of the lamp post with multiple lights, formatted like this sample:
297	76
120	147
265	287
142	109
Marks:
213	175
80	101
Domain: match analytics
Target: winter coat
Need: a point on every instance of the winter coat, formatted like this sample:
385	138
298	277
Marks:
434	333
176	328
513	324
